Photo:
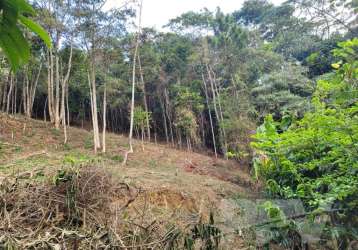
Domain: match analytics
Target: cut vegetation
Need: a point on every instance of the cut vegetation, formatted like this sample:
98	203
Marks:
57	195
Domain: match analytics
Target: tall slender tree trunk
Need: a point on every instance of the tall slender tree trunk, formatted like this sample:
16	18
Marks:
188	143
29	91
57	92
142	137
168	113
64	124
94	102
63	111
216	89
179	139
25	94
14	97
9	94
132	101
4	93
67	107
64	84
164	122
34	88
104	118
134	77
45	115
50	85
218	114
202	128
144	96
95	138
210	118
95	114
133	84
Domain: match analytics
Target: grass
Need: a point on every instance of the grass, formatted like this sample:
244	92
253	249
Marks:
76	157
158	170
67	147
117	158
152	163
17	149
88	142
56	132
31	163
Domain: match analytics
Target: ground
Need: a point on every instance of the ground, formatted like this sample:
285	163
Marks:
171	186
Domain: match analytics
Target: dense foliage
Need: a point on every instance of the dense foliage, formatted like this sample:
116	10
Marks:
315	159
206	84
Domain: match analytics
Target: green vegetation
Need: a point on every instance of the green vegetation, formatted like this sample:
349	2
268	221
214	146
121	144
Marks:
117	158
12	40
88	143
267	89
315	158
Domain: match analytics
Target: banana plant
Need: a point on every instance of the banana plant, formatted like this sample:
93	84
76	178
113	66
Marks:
14	16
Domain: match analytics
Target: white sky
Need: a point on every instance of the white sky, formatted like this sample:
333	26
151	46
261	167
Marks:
157	13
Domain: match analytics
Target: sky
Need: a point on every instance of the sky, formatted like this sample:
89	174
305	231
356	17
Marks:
157	13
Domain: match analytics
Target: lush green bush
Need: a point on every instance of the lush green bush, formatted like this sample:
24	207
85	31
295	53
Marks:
316	159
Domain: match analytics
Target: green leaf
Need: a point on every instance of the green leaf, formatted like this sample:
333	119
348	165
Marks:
20	42
336	66
37	29
10	50
23	7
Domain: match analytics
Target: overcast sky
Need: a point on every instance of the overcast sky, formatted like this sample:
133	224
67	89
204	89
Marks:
157	13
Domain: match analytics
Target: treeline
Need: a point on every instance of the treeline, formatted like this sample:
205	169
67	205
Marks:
205	84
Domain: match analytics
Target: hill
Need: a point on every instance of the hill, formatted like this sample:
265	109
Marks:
63	193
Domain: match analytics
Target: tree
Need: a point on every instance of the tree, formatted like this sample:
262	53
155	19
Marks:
31	77
140	120
253	12
136	42
97	27
58	19
315	159
188	105
283	91
329	16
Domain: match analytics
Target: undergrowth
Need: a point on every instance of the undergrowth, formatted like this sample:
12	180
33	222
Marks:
84	208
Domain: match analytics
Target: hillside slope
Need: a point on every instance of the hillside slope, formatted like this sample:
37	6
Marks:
171	186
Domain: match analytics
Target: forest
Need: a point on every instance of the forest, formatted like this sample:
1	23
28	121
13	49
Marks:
114	135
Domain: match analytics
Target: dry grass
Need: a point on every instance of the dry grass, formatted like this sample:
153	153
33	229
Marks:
173	189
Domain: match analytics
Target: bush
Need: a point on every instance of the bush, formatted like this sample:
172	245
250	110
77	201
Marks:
316	158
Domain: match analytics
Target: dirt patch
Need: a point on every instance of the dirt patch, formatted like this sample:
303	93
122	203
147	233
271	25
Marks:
172	200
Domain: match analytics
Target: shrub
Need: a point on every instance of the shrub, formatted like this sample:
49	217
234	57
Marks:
316	158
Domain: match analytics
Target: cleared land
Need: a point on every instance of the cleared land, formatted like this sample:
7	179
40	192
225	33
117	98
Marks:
57	194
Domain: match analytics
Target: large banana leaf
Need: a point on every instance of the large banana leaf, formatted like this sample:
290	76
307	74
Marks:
12	40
